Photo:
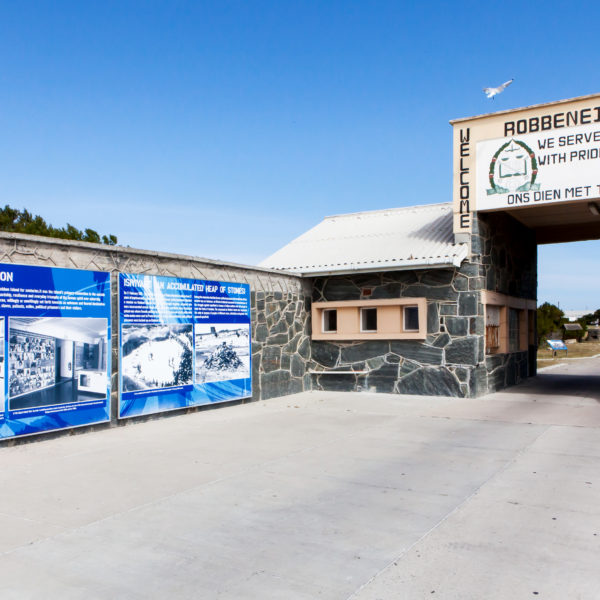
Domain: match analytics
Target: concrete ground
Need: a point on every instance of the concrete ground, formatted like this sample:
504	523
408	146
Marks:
318	495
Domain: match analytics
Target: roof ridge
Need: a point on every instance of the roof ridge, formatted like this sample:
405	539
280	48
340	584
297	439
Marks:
420	207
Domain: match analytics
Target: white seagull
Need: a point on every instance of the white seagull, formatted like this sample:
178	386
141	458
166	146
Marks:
491	92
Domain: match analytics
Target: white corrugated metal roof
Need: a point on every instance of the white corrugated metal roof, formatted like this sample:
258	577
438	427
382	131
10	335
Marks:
392	239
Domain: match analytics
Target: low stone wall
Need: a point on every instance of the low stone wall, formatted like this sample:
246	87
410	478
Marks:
449	362
504	370
279	312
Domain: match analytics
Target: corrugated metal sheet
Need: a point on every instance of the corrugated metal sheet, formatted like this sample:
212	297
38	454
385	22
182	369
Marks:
397	238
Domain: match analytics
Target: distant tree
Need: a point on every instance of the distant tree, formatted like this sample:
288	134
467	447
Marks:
584	327
591	318
549	319
22	221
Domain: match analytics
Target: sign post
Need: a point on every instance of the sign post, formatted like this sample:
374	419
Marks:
556	345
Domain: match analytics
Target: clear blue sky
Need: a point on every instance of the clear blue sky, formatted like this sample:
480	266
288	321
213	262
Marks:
225	129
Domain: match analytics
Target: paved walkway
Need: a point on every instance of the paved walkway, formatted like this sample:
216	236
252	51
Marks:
319	495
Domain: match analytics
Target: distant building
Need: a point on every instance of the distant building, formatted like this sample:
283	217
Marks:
593	333
573	331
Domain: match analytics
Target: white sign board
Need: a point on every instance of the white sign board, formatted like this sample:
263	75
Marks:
539	168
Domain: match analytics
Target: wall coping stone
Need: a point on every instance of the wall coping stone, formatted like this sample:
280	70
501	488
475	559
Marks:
60	242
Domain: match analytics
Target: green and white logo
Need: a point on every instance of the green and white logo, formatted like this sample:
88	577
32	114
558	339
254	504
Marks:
513	169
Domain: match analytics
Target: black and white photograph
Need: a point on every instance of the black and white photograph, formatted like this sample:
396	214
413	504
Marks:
156	356
56	360
222	352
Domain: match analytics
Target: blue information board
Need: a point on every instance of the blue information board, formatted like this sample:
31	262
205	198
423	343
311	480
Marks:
55	349
557	345
183	342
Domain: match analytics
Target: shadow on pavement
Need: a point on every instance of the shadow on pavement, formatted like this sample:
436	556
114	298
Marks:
555	384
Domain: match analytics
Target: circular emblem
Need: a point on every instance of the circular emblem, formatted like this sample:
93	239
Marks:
513	168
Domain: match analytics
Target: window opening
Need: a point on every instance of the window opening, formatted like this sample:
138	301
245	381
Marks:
368	319
492	328
330	320
513	330
363	319
411	318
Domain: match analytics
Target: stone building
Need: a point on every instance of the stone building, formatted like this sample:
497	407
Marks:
593	333
398	306
441	299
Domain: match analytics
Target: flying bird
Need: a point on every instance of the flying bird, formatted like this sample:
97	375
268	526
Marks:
491	92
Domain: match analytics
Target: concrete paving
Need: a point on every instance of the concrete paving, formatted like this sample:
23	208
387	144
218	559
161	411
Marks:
318	495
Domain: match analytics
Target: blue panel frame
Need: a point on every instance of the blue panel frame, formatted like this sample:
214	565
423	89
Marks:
40	309
155	314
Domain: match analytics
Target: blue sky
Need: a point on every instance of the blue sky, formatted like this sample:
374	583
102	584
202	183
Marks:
225	129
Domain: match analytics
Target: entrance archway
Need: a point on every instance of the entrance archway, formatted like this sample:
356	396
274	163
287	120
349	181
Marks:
523	179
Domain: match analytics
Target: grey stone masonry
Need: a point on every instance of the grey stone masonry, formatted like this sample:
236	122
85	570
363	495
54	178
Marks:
442	364
506	251
279	304
504	370
451	360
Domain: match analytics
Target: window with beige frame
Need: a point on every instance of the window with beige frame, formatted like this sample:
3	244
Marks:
329	320
492	329
390	319
368	319
513	330
410	318
507	322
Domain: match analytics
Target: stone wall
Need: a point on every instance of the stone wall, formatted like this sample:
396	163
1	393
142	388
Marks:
444	364
506	251
451	360
504	370
280	343
280	318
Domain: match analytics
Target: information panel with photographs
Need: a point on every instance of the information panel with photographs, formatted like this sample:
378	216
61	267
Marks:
184	342
54	349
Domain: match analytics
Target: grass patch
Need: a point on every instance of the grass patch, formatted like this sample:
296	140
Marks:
582	350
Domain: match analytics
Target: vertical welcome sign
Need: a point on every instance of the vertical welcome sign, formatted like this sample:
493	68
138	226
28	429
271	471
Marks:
183	342
54	349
